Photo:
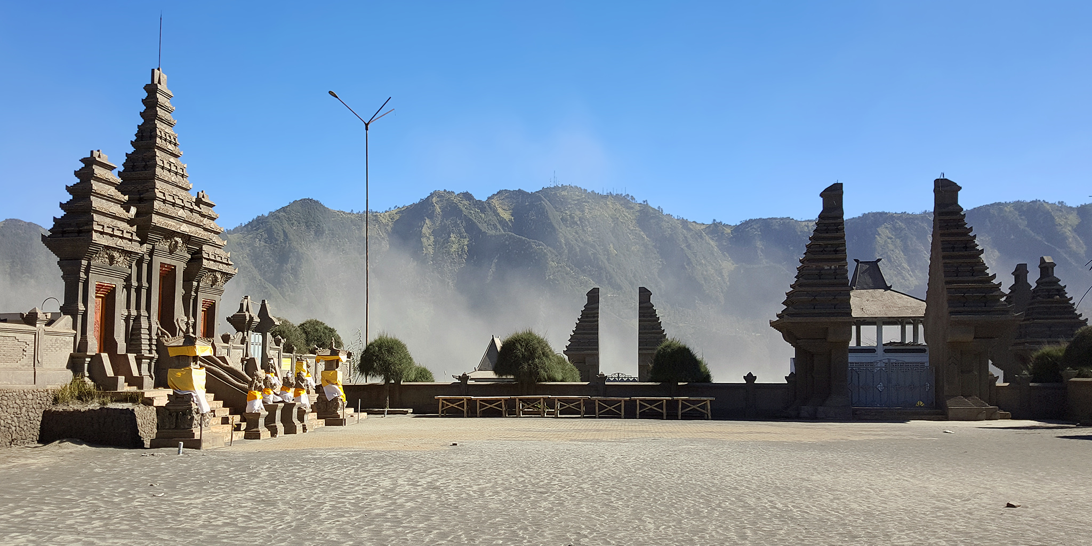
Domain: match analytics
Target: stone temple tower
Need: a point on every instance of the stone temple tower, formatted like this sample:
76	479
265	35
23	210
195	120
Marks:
141	257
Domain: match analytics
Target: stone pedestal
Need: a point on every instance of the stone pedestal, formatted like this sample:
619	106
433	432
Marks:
255	426
180	420
301	418
273	419
290	419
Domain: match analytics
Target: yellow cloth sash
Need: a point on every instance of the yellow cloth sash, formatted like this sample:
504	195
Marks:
252	396
190	350
331	383
186	379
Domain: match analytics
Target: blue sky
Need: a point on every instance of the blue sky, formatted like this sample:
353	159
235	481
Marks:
719	110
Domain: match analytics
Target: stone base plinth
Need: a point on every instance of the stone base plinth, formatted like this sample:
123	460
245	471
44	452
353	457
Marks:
255	426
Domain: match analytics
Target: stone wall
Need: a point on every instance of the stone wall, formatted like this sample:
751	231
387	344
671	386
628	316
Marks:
1027	400
35	355
21	415
131	426
767	400
1079	400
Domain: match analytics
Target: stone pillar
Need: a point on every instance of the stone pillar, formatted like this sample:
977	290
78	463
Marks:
966	312
817	320
583	348
650	333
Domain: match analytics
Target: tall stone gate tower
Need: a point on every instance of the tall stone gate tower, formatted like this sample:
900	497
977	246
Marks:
141	257
817	320
966	312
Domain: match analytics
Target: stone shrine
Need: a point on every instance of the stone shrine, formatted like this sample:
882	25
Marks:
966	311
141	257
583	348
1049	316
650	333
817	320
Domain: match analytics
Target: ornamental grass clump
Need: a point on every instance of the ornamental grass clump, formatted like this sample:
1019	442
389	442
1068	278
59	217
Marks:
674	362
77	390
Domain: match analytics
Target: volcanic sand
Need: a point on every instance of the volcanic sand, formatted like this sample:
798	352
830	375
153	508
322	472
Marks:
430	480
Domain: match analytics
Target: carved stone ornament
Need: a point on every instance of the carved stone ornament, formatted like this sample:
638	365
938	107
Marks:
214	280
174	243
112	257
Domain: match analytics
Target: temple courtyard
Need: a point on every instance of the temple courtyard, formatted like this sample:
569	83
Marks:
430	480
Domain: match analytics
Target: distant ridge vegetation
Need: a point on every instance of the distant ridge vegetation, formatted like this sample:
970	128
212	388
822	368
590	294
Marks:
450	270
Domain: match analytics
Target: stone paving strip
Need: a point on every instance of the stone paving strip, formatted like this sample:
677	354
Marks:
425	480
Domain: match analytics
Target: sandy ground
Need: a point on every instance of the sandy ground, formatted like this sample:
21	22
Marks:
400	480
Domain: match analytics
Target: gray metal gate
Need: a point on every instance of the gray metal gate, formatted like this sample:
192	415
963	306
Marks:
891	384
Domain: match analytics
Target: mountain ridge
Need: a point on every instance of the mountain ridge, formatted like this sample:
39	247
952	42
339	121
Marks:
450	270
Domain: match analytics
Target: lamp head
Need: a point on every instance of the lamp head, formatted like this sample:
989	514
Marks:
332	94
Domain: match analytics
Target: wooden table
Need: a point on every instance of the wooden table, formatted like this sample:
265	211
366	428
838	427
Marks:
534	404
491	402
568	402
610	405
652	403
453	402
697	403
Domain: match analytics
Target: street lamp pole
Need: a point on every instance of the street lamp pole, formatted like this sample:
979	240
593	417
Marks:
367	207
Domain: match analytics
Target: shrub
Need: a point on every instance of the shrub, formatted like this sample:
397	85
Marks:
1078	354
387	357
527	357
1046	364
419	374
317	334
294	341
675	362
561	370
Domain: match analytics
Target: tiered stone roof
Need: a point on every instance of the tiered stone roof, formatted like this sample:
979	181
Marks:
584	340
968	286
157	185
1050	316
95	223
821	289
650	333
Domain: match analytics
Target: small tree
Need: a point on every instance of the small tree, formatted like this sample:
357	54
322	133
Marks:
526	356
387	357
318	334
293	337
674	362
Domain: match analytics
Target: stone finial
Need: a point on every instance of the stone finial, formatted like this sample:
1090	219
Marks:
1020	274
1046	267
644	295
945	194
243	320
750	378
34	317
158	77
266	321
832	200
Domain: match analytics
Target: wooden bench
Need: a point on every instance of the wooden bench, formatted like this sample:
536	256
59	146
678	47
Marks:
569	402
532	404
608	405
492	402
701	404
656	404
453	402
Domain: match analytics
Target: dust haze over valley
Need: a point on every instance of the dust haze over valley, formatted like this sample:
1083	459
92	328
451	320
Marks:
451	270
